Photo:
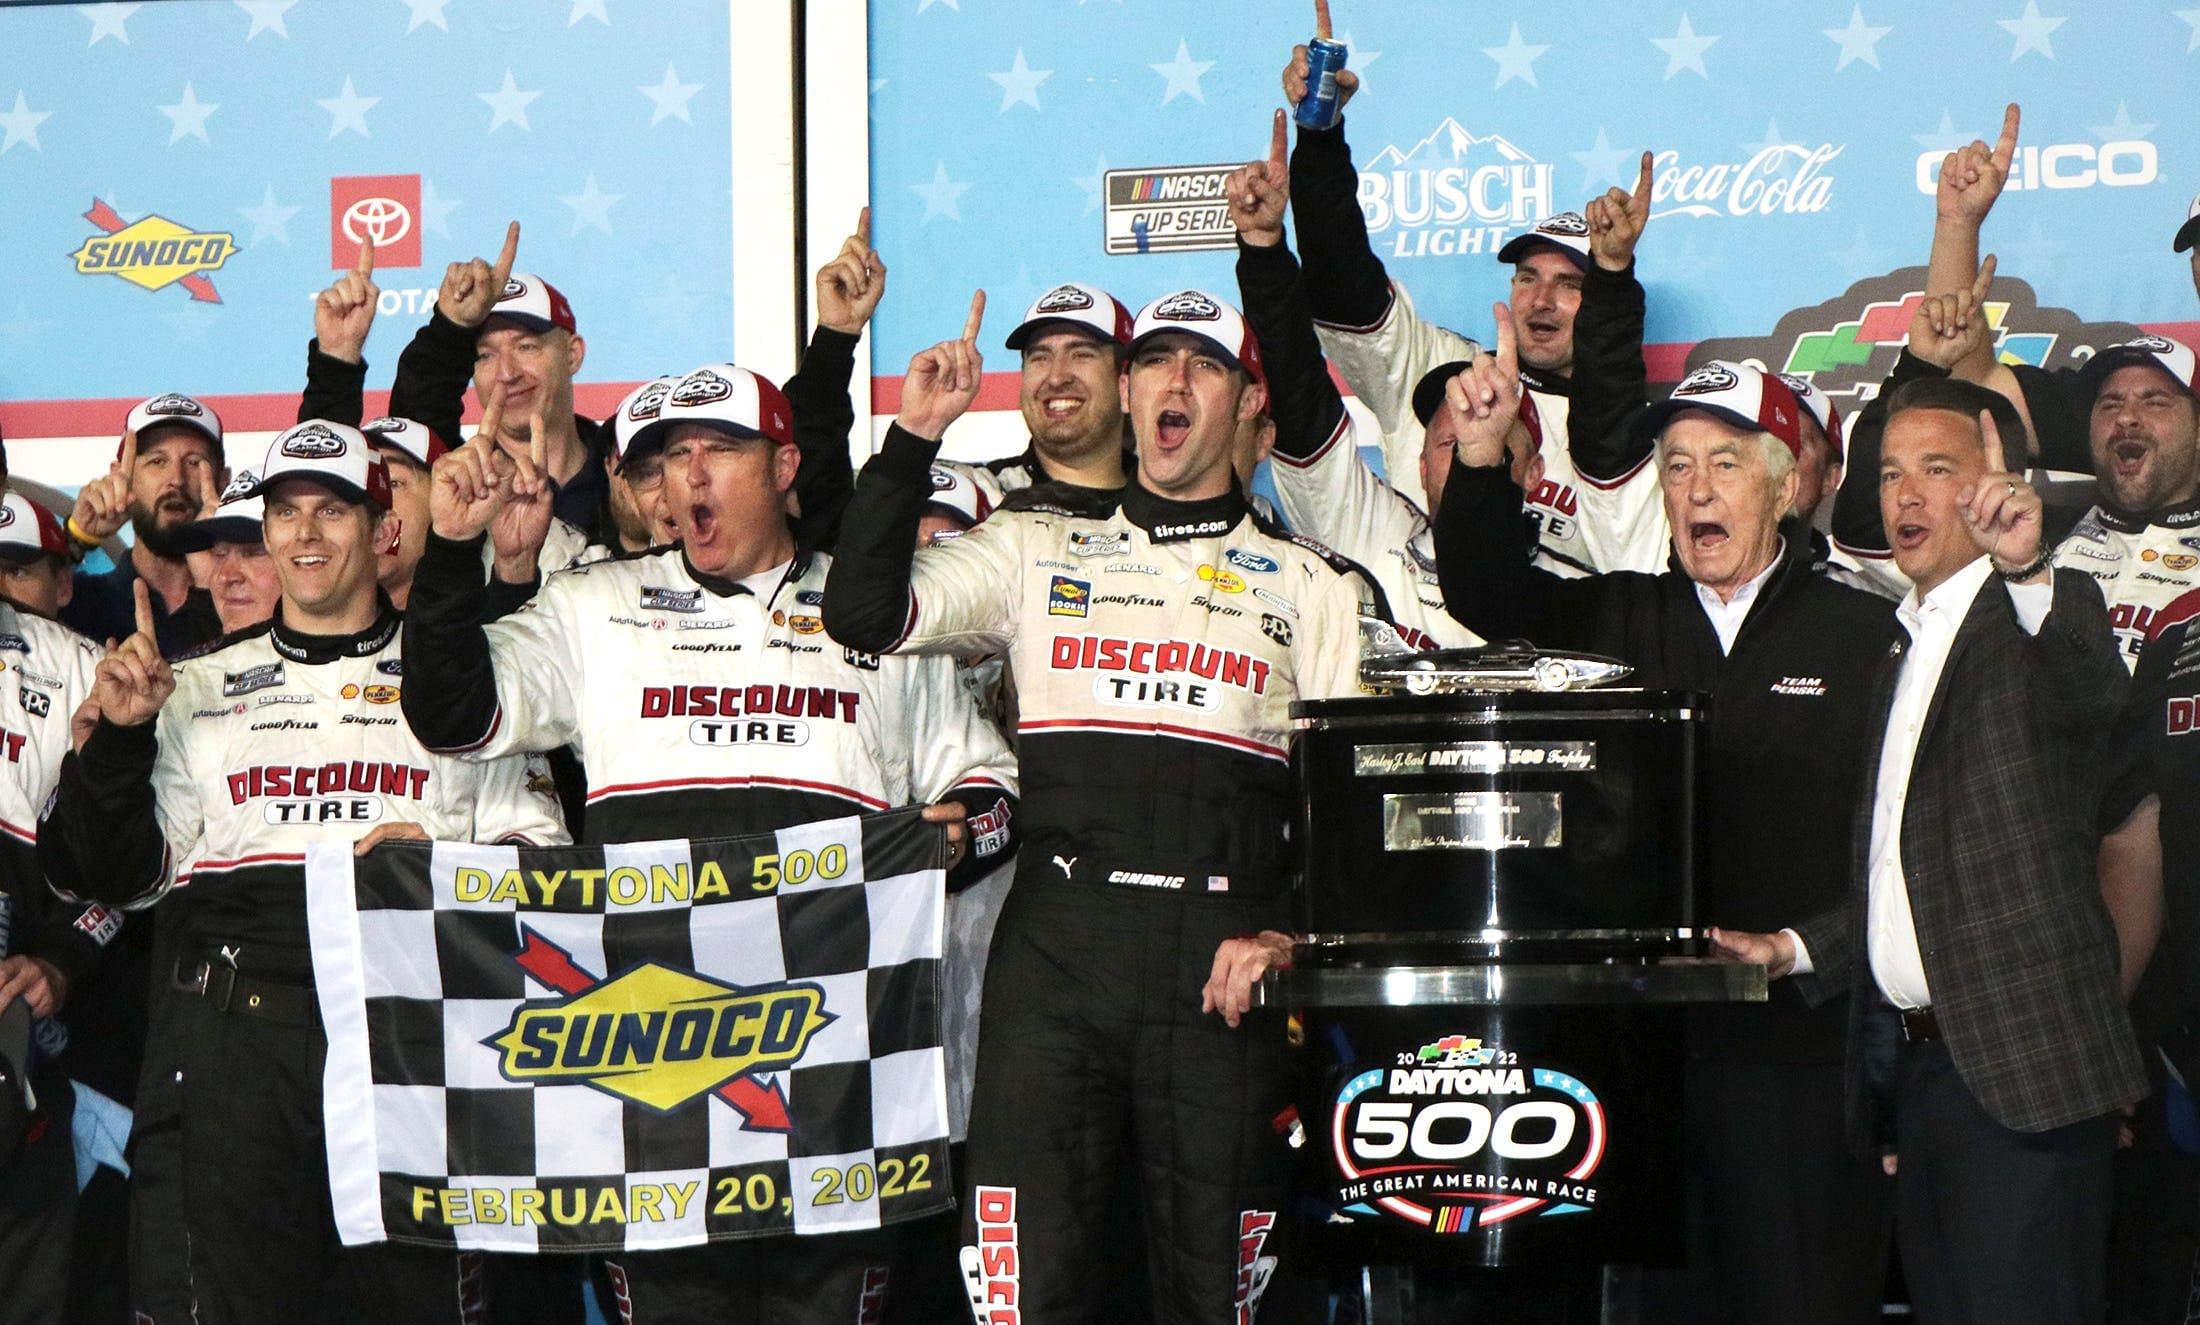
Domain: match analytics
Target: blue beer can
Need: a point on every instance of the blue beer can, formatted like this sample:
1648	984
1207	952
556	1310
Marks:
1320	107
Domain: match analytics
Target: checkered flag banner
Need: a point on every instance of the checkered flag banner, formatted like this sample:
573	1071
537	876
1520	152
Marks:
646	1045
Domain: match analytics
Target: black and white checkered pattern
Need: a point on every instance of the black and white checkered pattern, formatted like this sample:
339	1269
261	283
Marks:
430	1142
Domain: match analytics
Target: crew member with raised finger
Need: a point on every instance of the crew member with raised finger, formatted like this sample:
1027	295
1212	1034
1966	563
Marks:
168	470
698	688
1070	348
1157	634
209	778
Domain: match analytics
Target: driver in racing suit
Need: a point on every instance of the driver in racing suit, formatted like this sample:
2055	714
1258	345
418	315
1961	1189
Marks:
1158	635
213	778
697	686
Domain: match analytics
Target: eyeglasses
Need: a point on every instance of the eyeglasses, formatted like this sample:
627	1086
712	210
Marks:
643	478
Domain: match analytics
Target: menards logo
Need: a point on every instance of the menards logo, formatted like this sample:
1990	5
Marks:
659	1036
154	252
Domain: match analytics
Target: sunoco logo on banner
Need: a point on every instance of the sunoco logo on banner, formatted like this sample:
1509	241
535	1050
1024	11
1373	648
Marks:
1452	192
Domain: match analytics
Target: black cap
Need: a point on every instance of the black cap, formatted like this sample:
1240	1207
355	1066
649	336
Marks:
1428	393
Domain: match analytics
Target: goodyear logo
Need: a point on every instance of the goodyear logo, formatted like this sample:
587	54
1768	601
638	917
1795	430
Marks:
656	1035
1068	597
154	253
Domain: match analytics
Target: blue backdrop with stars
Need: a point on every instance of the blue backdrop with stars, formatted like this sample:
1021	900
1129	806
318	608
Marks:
994	121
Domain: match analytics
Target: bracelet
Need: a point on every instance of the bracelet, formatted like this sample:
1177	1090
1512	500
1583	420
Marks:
76	531
2023	573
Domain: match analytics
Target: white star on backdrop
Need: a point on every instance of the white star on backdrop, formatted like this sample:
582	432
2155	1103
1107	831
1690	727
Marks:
1772	138
588	9
1603	163
1684	50
670	98
674	306
955	5
348	110
941	195
21	125
435	209
2121	129
1020	83
2038	250
1858	41
267	16
1943	139
115	204
425	12
1095	185
1183	74
1515	59
591	206
1357	60
107	21
270	220
188	117
2192	20
2031	30
509	103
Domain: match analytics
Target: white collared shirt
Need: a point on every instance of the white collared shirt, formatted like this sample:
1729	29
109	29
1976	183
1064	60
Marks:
1890	926
1726	617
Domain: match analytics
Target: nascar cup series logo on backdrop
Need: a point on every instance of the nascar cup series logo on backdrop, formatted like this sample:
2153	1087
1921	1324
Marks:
1458	1135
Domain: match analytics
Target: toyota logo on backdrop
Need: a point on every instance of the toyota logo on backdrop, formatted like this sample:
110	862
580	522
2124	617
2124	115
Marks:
382	208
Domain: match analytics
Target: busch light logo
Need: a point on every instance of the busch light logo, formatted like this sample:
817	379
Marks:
701	387
1781	178
1188	306
172	404
1452	192
1708	379
312	442
1063	299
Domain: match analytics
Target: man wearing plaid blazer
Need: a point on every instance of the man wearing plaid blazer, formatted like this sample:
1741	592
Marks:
1985	1019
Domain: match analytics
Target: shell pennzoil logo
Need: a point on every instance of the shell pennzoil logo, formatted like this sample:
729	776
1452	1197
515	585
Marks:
154	252
658	1036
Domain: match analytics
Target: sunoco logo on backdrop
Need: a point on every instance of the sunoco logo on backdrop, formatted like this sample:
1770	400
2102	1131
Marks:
154	252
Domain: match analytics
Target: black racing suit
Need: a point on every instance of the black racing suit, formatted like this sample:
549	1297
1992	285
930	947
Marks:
1157	646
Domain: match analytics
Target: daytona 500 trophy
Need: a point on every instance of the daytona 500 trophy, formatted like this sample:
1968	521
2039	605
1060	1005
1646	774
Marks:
1500	920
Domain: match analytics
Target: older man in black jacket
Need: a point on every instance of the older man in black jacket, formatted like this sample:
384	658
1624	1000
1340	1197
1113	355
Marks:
1789	1224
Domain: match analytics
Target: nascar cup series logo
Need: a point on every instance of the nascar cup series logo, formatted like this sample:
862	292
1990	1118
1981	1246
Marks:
1452	192
1460	1136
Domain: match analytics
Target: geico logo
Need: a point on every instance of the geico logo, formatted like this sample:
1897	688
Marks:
2123	164
700	701
1386	1130
339	810
364	776
1160	657
752	731
660	1036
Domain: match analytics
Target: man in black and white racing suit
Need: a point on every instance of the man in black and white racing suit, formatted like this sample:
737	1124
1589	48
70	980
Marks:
211	778
704	700
1158	635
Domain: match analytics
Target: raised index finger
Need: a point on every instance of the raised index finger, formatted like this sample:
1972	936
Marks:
2005	147
1279	142
366	257
1995	464
1985	281
502	272
1641	196
977	315
492	417
863	225
144	609
127	461
1321	19
1508	355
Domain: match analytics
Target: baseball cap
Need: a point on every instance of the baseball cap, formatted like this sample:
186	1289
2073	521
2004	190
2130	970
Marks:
1735	393
1428	393
1083	307
533	302
1821	408
1568	232
332	454
235	520
176	408
420	443
956	491
2188	234
2173	358
733	400
1197	313
29	531
640	409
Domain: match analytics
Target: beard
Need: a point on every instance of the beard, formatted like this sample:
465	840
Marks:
154	537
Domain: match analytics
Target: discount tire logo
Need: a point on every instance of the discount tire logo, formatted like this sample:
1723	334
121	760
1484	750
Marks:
1457	1137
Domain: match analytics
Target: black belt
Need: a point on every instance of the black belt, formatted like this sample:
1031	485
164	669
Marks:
1919	1024
220	983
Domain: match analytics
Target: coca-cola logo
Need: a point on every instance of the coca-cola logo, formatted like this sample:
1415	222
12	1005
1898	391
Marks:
1063	299
1188	306
1779	179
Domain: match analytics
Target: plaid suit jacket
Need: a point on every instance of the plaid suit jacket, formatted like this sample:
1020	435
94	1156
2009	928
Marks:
1998	846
